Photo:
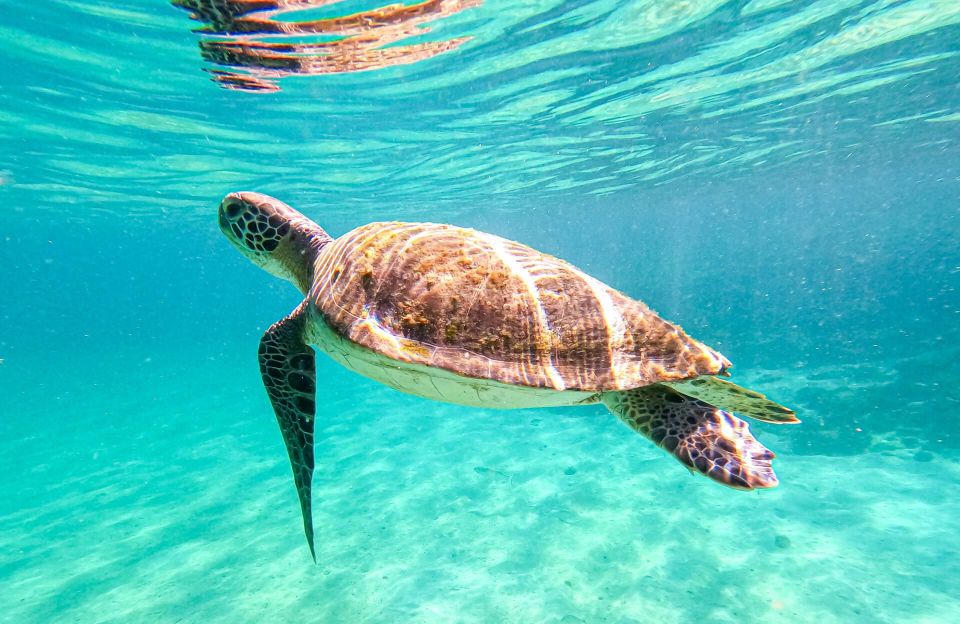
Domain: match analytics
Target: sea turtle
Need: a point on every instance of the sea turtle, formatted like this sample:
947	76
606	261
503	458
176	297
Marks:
461	316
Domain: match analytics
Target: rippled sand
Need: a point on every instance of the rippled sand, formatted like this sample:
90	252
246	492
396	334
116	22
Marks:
184	510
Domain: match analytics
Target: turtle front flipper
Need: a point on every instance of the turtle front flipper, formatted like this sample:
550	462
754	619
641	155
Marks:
703	437
288	367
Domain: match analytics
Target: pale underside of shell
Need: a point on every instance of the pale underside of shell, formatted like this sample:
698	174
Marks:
486	307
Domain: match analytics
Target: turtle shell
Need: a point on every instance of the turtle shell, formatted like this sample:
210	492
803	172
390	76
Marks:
487	307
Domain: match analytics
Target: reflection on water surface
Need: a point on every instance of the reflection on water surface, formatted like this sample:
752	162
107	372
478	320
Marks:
354	42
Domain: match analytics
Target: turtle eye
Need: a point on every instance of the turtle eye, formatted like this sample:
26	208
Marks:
233	209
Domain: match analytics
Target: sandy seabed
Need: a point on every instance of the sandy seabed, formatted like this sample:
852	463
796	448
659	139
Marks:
183	510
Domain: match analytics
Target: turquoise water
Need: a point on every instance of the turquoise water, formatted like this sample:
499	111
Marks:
780	178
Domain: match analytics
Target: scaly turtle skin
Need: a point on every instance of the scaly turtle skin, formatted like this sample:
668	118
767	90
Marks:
462	316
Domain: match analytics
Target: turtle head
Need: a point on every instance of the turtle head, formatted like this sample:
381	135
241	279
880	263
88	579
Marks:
273	235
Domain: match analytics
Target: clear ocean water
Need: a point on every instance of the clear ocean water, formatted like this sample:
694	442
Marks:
781	178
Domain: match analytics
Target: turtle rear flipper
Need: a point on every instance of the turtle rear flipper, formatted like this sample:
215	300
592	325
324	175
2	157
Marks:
703	437
288	368
734	398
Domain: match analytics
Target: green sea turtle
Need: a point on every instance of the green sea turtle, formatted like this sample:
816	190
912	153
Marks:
462	316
